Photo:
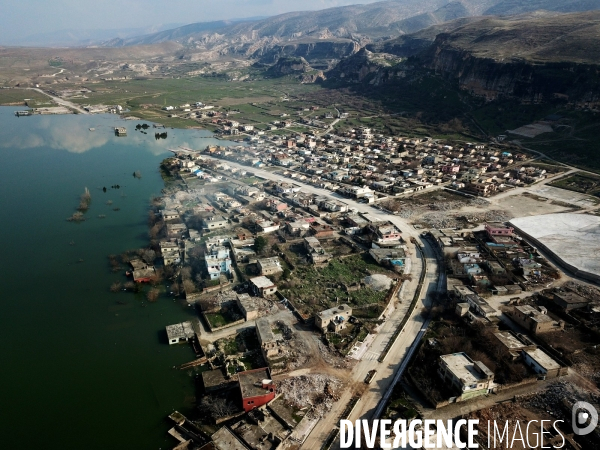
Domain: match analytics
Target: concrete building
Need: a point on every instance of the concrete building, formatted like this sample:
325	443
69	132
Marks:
256	388
248	306
225	439
266	338
542	364
333	319
569	300
470	378
498	229
533	319
180	332
512	343
267	226
316	253
218	263
269	266
480	306
262	286
386	234
214	222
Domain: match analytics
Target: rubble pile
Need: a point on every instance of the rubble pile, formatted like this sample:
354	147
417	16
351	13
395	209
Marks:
557	398
316	390
442	220
584	290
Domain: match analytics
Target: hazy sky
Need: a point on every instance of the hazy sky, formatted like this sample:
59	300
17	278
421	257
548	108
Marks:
30	17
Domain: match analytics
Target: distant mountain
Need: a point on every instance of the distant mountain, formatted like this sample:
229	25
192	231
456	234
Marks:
334	32
534	57
84	38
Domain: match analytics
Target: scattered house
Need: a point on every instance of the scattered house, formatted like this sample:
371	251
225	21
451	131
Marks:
180	332
569	300
267	226
498	229
385	234
533	319
224	439
513	343
269	345
216	264
175	230
256	387
269	266
495	268
170	214
542	363
333	319
470	378
316	253
170	252
395	257
142	272
248	306
214	222
480	306
319	230
214	380
263	286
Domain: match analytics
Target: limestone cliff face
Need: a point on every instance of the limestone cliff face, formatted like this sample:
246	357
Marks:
312	51
524	80
367	67
288	66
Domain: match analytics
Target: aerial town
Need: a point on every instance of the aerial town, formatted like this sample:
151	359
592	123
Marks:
364	275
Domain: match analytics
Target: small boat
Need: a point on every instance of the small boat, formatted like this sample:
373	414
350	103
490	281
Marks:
92	129
128	273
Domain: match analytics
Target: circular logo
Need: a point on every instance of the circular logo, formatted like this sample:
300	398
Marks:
584	418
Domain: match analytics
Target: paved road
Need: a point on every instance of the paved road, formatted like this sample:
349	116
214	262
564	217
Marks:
386	370
407	229
61	102
397	356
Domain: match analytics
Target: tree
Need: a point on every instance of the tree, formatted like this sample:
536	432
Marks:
259	244
148	255
286	274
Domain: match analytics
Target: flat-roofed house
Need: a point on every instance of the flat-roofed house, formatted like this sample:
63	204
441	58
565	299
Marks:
333	319
470	378
180	332
256	387
269	266
263	286
542	363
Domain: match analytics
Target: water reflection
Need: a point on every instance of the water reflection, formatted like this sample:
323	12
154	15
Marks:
72	133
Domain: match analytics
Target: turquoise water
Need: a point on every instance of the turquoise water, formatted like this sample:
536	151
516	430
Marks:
79	369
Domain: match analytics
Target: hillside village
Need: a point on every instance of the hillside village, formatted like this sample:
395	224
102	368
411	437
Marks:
292	280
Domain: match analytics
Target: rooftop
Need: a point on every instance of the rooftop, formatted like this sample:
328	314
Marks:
542	359
510	340
224	439
463	368
182	330
263	328
247	302
213	378
251	382
261	282
266	263
334	311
